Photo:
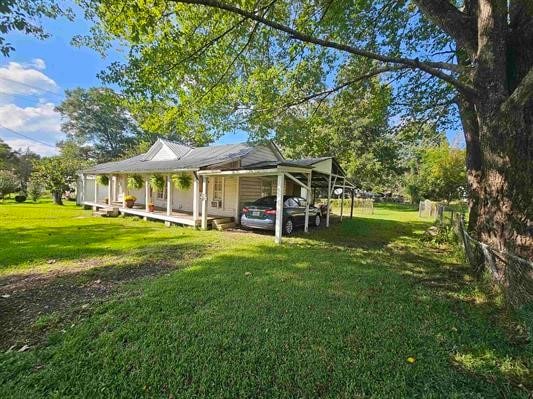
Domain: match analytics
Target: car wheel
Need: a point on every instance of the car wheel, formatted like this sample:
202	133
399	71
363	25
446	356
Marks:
317	220
288	227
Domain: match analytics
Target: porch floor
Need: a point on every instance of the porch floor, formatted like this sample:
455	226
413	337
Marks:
179	217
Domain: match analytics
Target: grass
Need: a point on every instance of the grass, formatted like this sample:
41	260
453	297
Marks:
332	314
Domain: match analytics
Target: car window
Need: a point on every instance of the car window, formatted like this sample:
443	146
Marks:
291	203
266	201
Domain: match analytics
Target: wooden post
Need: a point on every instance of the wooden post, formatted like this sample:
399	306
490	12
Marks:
195	195
329	201
342	196
307	200
204	202
169	195
351	208
279	207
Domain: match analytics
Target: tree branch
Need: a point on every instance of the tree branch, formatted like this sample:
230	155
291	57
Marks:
428	67
452	21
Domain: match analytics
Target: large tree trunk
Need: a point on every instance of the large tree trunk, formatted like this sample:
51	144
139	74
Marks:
58	197
505	215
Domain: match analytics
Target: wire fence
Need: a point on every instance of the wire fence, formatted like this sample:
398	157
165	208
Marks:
360	205
512	273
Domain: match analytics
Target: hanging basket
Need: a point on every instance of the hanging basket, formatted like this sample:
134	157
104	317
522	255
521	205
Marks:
157	182
182	181
103	180
135	182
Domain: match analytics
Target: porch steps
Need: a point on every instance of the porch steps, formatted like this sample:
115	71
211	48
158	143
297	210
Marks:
223	223
106	212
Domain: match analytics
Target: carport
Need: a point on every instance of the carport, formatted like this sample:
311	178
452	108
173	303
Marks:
310	174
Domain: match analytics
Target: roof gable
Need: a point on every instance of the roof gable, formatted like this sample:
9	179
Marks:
164	150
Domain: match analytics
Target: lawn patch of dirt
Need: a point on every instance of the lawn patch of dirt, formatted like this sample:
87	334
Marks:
60	294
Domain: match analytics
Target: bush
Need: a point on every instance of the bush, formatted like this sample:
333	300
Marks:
8	182
20	198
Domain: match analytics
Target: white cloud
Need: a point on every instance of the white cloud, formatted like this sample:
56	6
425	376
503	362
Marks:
39	119
24	79
38	148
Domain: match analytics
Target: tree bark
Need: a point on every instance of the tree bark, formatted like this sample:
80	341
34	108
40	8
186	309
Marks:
57	196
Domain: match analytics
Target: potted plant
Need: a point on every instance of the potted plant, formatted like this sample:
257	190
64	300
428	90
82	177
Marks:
135	182
130	201
106	200
183	181
151	207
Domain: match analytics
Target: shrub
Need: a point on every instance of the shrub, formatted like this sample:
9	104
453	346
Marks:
135	181
8	182
20	198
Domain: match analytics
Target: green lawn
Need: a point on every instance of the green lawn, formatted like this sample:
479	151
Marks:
332	314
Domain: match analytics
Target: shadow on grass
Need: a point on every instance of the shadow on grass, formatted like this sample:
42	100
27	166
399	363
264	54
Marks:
286	321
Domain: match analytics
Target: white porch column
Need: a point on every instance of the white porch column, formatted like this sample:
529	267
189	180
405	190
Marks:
237	199
95	189
146	193
204	202
329	201
307	200
124	189
195	196
342	195
109	189
84	185
280	191
169	195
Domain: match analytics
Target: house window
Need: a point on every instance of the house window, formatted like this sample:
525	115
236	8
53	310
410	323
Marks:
218	188
267	187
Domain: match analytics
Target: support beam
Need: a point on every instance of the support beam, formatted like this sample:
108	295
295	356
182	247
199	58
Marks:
204	203
351	208
307	202
95	190
279	207
237	199
329	201
169	195
146	193
195	196
294	179
342	195
109	189
124	190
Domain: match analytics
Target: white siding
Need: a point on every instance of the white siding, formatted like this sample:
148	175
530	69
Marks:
259	154
182	200
229	197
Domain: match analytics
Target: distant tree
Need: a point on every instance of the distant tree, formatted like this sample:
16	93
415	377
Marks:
8	183
57	175
440	175
97	117
7	156
24	16
34	190
24	166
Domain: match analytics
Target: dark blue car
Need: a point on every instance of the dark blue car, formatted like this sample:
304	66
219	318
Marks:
261	214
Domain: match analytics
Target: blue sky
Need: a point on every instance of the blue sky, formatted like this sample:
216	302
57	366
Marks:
33	79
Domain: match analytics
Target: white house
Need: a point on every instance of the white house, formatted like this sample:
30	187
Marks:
223	178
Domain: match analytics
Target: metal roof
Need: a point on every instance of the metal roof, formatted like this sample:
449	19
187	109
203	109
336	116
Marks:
192	159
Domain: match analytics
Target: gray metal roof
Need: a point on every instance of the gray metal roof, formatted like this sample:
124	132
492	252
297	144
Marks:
192	159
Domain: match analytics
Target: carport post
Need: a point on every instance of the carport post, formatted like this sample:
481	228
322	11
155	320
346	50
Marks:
351	209
307	201
342	196
204	202
279	207
329	201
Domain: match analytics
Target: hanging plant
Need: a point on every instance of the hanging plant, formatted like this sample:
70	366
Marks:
157	182
183	181
135	181
103	180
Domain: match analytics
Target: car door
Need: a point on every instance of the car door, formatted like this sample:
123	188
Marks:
291	207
